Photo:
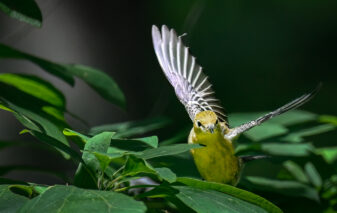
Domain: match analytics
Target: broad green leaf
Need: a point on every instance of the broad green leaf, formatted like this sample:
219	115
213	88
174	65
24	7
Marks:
278	149
232	191
313	175
98	143
132	128
167	150
86	174
105	159
27	11
205	200
98	80
296	171
284	187
70	199
297	136
265	130
166	174
10	202
328	153
135	166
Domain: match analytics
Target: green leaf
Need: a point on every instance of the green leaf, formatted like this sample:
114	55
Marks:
328	153
166	174
105	159
27	11
328	119
204	200
288	188
98	143
135	166
232	191
35	87
278	149
296	171
151	141
136	144
167	150
297	136
132	128
56	144
313	175
10	202
96	79
69	199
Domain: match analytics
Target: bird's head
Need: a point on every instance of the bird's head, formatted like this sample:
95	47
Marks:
206	121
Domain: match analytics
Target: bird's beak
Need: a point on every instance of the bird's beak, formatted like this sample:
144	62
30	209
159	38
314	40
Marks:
211	128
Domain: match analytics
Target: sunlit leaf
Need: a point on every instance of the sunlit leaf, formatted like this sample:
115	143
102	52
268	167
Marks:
69	199
27	11
329	153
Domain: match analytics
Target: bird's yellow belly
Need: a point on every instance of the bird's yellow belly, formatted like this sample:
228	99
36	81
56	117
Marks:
216	161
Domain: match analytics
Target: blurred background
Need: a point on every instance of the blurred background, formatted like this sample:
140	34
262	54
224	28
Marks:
259	55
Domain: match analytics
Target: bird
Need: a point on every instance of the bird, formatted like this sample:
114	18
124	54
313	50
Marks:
215	160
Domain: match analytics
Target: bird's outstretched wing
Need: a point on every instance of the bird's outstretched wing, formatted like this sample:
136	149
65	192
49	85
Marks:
289	106
185	75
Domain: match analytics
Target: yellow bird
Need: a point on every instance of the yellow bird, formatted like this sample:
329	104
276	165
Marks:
216	161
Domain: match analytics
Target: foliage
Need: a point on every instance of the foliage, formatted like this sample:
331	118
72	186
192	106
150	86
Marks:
109	164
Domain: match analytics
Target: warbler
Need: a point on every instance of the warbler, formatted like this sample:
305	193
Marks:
216	160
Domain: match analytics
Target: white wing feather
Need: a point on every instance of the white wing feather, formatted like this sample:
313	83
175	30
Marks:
185	75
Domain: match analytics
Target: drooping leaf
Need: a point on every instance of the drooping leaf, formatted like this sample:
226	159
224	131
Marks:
98	80
313	174
231	191
167	150
284	187
27	11
76	137
166	174
10	202
296	171
69	199
205	200
132	128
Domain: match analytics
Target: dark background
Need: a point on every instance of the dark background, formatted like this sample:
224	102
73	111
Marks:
258	55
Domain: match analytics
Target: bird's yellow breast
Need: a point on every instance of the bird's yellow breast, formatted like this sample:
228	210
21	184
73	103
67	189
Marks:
216	161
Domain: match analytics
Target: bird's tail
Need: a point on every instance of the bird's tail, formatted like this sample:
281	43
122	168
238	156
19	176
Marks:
289	106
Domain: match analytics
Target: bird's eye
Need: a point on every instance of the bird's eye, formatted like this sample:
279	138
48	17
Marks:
217	121
199	124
